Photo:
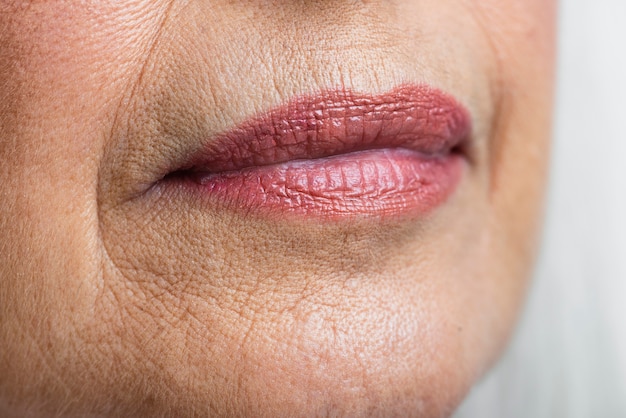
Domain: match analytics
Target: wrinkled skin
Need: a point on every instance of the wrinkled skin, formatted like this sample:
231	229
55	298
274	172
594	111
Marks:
119	302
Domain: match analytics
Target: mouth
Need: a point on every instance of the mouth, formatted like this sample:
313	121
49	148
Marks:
336	154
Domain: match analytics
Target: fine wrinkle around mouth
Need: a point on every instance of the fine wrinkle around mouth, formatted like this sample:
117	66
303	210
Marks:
417	118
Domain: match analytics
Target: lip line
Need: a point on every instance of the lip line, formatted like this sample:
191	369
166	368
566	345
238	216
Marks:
202	175
412	116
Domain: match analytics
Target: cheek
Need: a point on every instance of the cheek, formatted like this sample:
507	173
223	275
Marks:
60	81
524	42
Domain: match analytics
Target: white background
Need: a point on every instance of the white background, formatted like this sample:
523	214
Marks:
568	358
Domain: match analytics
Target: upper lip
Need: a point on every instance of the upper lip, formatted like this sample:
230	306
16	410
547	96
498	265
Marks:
414	117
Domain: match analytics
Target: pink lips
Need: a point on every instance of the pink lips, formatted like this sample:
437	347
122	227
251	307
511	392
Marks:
340	154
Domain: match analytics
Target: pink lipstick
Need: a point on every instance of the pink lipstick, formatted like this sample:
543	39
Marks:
339	154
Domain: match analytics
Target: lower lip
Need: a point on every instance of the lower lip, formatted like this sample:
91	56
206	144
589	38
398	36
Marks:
383	183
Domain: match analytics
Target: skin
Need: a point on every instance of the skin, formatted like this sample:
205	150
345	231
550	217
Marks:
115	301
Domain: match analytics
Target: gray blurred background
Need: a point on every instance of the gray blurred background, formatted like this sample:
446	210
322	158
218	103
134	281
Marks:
568	358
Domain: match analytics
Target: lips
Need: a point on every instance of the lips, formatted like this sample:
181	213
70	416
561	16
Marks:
337	154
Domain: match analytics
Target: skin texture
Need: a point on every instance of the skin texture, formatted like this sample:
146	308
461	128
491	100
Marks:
119	302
